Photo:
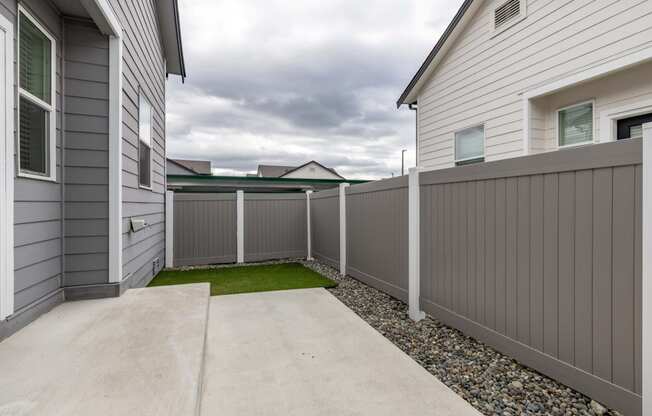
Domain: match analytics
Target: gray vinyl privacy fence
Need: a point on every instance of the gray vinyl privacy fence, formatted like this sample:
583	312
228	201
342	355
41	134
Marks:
539	257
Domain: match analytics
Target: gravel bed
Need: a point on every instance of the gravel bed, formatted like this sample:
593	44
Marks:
492	382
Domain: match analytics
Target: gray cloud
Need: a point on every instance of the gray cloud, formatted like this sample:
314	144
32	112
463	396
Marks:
281	81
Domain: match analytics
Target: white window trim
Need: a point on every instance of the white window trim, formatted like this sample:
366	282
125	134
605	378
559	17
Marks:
492	25
151	144
484	144
7	178
609	118
51	108
593	135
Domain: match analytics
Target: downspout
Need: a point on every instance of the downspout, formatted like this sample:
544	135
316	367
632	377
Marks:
415	108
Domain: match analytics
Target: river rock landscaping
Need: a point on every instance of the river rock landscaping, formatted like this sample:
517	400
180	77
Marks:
492	382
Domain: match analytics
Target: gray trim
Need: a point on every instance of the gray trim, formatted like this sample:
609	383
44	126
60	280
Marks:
29	313
433	53
105	290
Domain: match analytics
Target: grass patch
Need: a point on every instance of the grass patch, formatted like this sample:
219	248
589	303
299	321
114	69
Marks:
247	279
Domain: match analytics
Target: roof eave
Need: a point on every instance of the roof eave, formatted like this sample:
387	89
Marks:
411	92
168	11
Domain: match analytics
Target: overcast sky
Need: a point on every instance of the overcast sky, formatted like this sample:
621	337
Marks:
288	81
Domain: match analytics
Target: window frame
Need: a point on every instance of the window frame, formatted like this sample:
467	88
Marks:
474	159
51	144
142	96
593	130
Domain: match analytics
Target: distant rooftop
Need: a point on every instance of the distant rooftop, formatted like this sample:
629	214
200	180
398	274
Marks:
199	167
317	170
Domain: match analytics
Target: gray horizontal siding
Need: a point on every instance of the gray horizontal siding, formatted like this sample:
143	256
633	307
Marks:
37	207
325	226
274	226
204	229
86	59
542	261
143	72
377	235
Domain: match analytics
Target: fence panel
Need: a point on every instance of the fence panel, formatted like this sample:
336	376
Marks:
540	258
377	235
204	229
274	226
325	226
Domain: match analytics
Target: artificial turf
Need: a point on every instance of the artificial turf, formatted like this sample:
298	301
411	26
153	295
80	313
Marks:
247	279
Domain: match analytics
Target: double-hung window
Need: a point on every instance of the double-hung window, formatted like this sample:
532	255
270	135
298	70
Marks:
144	142
36	95
469	146
575	125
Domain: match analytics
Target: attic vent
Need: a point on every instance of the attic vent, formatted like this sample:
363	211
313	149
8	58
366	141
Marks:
506	12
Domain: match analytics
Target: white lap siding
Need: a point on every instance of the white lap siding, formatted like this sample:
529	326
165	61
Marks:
481	79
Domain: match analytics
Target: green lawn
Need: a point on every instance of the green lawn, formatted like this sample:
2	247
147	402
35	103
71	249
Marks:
247	279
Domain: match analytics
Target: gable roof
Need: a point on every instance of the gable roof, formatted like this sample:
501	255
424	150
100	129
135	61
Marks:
331	170
441	47
199	167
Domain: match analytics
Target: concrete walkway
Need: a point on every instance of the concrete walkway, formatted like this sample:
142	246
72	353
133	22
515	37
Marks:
302	352
140	354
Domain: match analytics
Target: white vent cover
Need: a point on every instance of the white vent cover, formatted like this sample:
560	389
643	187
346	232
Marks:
506	12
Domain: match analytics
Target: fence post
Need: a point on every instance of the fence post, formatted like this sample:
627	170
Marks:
414	268
308	229
169	228
342	199
239	196
646	275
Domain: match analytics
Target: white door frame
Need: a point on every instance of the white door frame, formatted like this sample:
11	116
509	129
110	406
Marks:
7	171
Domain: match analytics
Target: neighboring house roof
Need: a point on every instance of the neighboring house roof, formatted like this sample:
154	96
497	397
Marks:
450	34
317	163
207	183
273	171
277	171
198	167
168	13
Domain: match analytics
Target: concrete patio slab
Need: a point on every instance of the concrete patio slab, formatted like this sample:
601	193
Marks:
303	352
140	354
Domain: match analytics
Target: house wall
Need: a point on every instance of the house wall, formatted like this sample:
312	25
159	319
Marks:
143	72
482	77
86	159
38	208
622	89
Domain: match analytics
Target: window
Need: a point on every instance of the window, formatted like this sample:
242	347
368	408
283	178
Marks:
36	110
575	125
469	146
144	142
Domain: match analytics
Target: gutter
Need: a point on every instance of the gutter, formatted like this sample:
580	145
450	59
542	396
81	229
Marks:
177	24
